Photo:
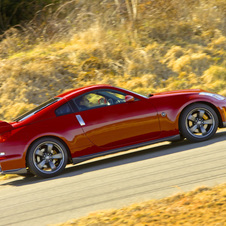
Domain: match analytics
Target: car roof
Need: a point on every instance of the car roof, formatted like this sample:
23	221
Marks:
70	94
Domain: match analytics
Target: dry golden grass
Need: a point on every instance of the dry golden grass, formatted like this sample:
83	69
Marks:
28	78
203	206
164	48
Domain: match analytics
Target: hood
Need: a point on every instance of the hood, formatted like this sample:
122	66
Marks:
5	126
185	91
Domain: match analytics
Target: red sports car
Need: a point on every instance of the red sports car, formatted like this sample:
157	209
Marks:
98	120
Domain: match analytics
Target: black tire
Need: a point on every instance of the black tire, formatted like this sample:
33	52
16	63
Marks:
47	157
198	122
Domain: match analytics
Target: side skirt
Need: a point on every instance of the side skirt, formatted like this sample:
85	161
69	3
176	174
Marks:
87	157
14	171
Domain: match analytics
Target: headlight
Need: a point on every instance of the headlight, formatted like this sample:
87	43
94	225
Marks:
216	96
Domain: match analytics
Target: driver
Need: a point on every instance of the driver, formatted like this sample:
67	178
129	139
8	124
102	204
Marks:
84	103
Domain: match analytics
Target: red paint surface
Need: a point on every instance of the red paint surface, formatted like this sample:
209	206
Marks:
105	128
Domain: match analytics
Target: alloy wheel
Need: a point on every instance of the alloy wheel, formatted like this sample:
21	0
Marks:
200	122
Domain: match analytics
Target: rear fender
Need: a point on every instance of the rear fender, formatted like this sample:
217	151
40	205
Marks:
5	127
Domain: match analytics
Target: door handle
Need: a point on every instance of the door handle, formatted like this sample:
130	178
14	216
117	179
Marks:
80	120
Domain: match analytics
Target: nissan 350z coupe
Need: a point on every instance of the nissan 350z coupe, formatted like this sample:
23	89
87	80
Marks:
101	119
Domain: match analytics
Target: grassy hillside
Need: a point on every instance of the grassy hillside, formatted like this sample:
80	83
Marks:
203	206
147	47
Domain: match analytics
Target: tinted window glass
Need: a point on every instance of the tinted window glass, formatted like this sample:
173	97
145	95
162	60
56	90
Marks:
99	98
63	110
37	109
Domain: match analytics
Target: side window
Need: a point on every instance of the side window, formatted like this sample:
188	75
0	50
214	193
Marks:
90	100
114	97
63	110
99	98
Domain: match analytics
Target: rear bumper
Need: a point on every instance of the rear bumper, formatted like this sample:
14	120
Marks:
11	159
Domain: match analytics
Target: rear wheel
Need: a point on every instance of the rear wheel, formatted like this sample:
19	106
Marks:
198	122
47	157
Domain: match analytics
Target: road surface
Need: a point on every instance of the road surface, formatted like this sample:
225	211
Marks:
115	181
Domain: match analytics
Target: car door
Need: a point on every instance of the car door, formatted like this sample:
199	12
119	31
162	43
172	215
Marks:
111	122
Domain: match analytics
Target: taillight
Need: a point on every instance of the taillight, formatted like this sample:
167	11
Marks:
4	136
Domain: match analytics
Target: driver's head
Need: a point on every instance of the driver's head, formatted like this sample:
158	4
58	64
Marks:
84	101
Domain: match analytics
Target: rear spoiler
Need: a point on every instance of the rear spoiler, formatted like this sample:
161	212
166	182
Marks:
5	126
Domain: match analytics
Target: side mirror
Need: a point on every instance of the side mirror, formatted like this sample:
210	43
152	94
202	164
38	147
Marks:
129	98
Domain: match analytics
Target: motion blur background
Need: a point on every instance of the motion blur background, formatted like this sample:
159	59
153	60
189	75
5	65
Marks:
50	46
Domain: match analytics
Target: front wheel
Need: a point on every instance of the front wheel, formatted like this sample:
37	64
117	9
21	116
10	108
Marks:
198	122
47	157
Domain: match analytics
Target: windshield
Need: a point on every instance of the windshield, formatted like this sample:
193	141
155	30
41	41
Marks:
138	94
37	109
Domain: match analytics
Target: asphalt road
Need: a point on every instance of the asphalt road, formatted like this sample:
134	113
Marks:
155	171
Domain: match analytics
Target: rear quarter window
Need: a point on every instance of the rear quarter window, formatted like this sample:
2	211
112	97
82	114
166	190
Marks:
63	110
